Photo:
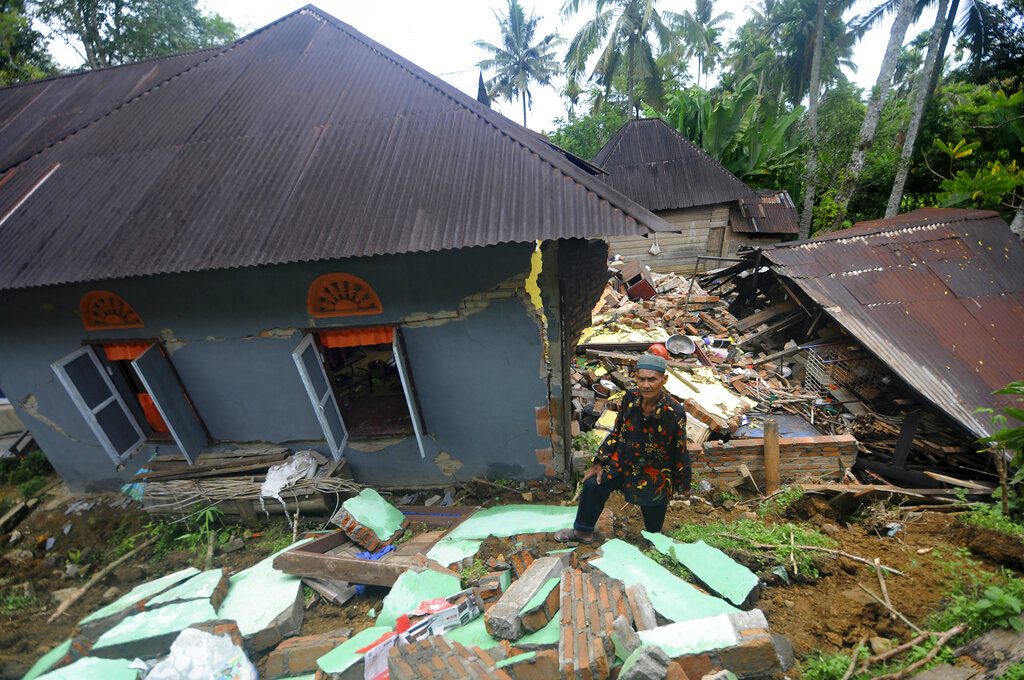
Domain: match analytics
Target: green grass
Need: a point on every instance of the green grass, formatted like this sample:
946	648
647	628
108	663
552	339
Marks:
991	517
11	602
982	601
781	502
28	474
753	531
1014	672
276	537
833	666
473	572
672	565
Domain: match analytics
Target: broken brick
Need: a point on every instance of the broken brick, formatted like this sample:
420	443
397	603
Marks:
298	655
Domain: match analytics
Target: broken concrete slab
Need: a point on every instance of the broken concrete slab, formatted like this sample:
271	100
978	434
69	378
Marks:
300	654
414	586
645	663
345	662
370	521
105	618
504	619
739	642
672	597
644	617
50	661
542	607
92	668
624	638
210	585
503	520
714	568
266	603
150	633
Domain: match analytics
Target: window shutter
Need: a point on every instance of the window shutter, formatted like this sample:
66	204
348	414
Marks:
169	397
314	377
91	390
409	389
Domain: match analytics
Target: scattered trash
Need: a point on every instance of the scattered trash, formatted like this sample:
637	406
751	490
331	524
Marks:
201	656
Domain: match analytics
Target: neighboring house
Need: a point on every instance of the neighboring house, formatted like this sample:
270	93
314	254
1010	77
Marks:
712	210
302	239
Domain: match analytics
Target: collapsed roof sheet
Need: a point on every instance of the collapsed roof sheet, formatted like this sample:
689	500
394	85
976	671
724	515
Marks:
662	170
937	295
769	212
303	141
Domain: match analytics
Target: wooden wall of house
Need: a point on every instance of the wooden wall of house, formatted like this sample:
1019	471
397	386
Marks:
735	239
701	232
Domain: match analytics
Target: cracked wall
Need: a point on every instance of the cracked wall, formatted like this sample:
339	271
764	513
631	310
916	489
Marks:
472	343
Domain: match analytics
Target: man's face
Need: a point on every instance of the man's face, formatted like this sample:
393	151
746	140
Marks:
649	382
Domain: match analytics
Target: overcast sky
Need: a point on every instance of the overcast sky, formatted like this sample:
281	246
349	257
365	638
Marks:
439	35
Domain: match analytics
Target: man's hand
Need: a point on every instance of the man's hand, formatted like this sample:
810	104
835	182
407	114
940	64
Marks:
595	470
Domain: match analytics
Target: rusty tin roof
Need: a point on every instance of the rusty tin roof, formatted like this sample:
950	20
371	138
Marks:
302	141
662	170
769	212
935	294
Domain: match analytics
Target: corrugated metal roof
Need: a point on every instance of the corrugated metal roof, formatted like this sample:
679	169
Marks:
937	295
303	141
769	212
662	170
36	114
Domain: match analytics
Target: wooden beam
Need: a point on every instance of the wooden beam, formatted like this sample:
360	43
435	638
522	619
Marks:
764	316
771	456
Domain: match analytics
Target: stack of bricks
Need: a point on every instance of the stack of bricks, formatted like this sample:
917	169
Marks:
364	535
590	604
298	655
435	658
799	457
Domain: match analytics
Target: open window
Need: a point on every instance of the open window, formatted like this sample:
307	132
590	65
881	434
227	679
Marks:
129	393
360	384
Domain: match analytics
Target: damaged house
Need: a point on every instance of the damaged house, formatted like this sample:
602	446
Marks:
711	210
908	324
299	239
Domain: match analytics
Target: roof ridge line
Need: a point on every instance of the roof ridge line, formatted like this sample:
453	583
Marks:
216	52
701	151
404	64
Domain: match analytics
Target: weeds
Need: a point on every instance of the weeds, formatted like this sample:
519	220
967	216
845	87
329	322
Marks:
588	441
11	602
277	536
205	530
671	564
825	667
1014	672
780	502
473	572
982	601
991	517
28	474
833	666
738	537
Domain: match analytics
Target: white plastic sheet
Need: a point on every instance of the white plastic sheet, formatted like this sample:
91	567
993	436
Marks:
196	655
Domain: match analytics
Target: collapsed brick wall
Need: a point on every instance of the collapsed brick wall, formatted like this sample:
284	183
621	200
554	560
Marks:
799	457
582	275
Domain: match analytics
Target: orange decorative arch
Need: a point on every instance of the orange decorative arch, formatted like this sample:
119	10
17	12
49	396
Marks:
102	309
341	295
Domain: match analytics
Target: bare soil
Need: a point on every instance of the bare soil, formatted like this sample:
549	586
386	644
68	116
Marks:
827	614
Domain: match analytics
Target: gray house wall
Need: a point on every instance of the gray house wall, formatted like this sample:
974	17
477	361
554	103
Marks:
474	348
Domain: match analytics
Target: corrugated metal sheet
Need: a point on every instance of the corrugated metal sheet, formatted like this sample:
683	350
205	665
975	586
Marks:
769	212
937	295
662	170
34	115
303	141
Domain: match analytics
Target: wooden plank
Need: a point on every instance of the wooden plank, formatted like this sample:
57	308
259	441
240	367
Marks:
764	316
771	456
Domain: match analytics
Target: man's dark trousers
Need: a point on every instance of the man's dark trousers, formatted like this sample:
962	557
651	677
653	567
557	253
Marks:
594	496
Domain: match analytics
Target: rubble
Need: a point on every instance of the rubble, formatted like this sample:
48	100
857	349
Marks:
299	654
714	568
429	580
105	618
371	521
524	605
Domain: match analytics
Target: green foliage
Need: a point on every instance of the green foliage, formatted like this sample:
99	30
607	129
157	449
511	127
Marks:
28	474
23	53
753	531
1014	672
518	61
277	537
588	441
751	140
206	525
833	667
1010	438
671	564
11	602
825	667
112	32
74	556
780	502
165	539
990	516
585	135
473	572
982	601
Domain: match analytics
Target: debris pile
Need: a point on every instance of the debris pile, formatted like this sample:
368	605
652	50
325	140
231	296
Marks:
744	346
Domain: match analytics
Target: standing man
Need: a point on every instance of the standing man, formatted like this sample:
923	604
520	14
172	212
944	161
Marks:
645	455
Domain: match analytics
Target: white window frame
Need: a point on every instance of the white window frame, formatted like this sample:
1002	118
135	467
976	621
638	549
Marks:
178	428
321	403
90	413
410	398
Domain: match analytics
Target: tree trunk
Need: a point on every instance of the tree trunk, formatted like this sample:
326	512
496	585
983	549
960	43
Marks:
811	183
879	94
1017	226
921	96
523	96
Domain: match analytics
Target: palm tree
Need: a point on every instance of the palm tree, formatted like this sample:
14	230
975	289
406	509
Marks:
622	30
879	94
700	32
518	62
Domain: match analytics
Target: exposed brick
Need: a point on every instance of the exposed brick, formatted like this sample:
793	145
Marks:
753	657
676	672
696	665
520	561
363	535
298	655
221	627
